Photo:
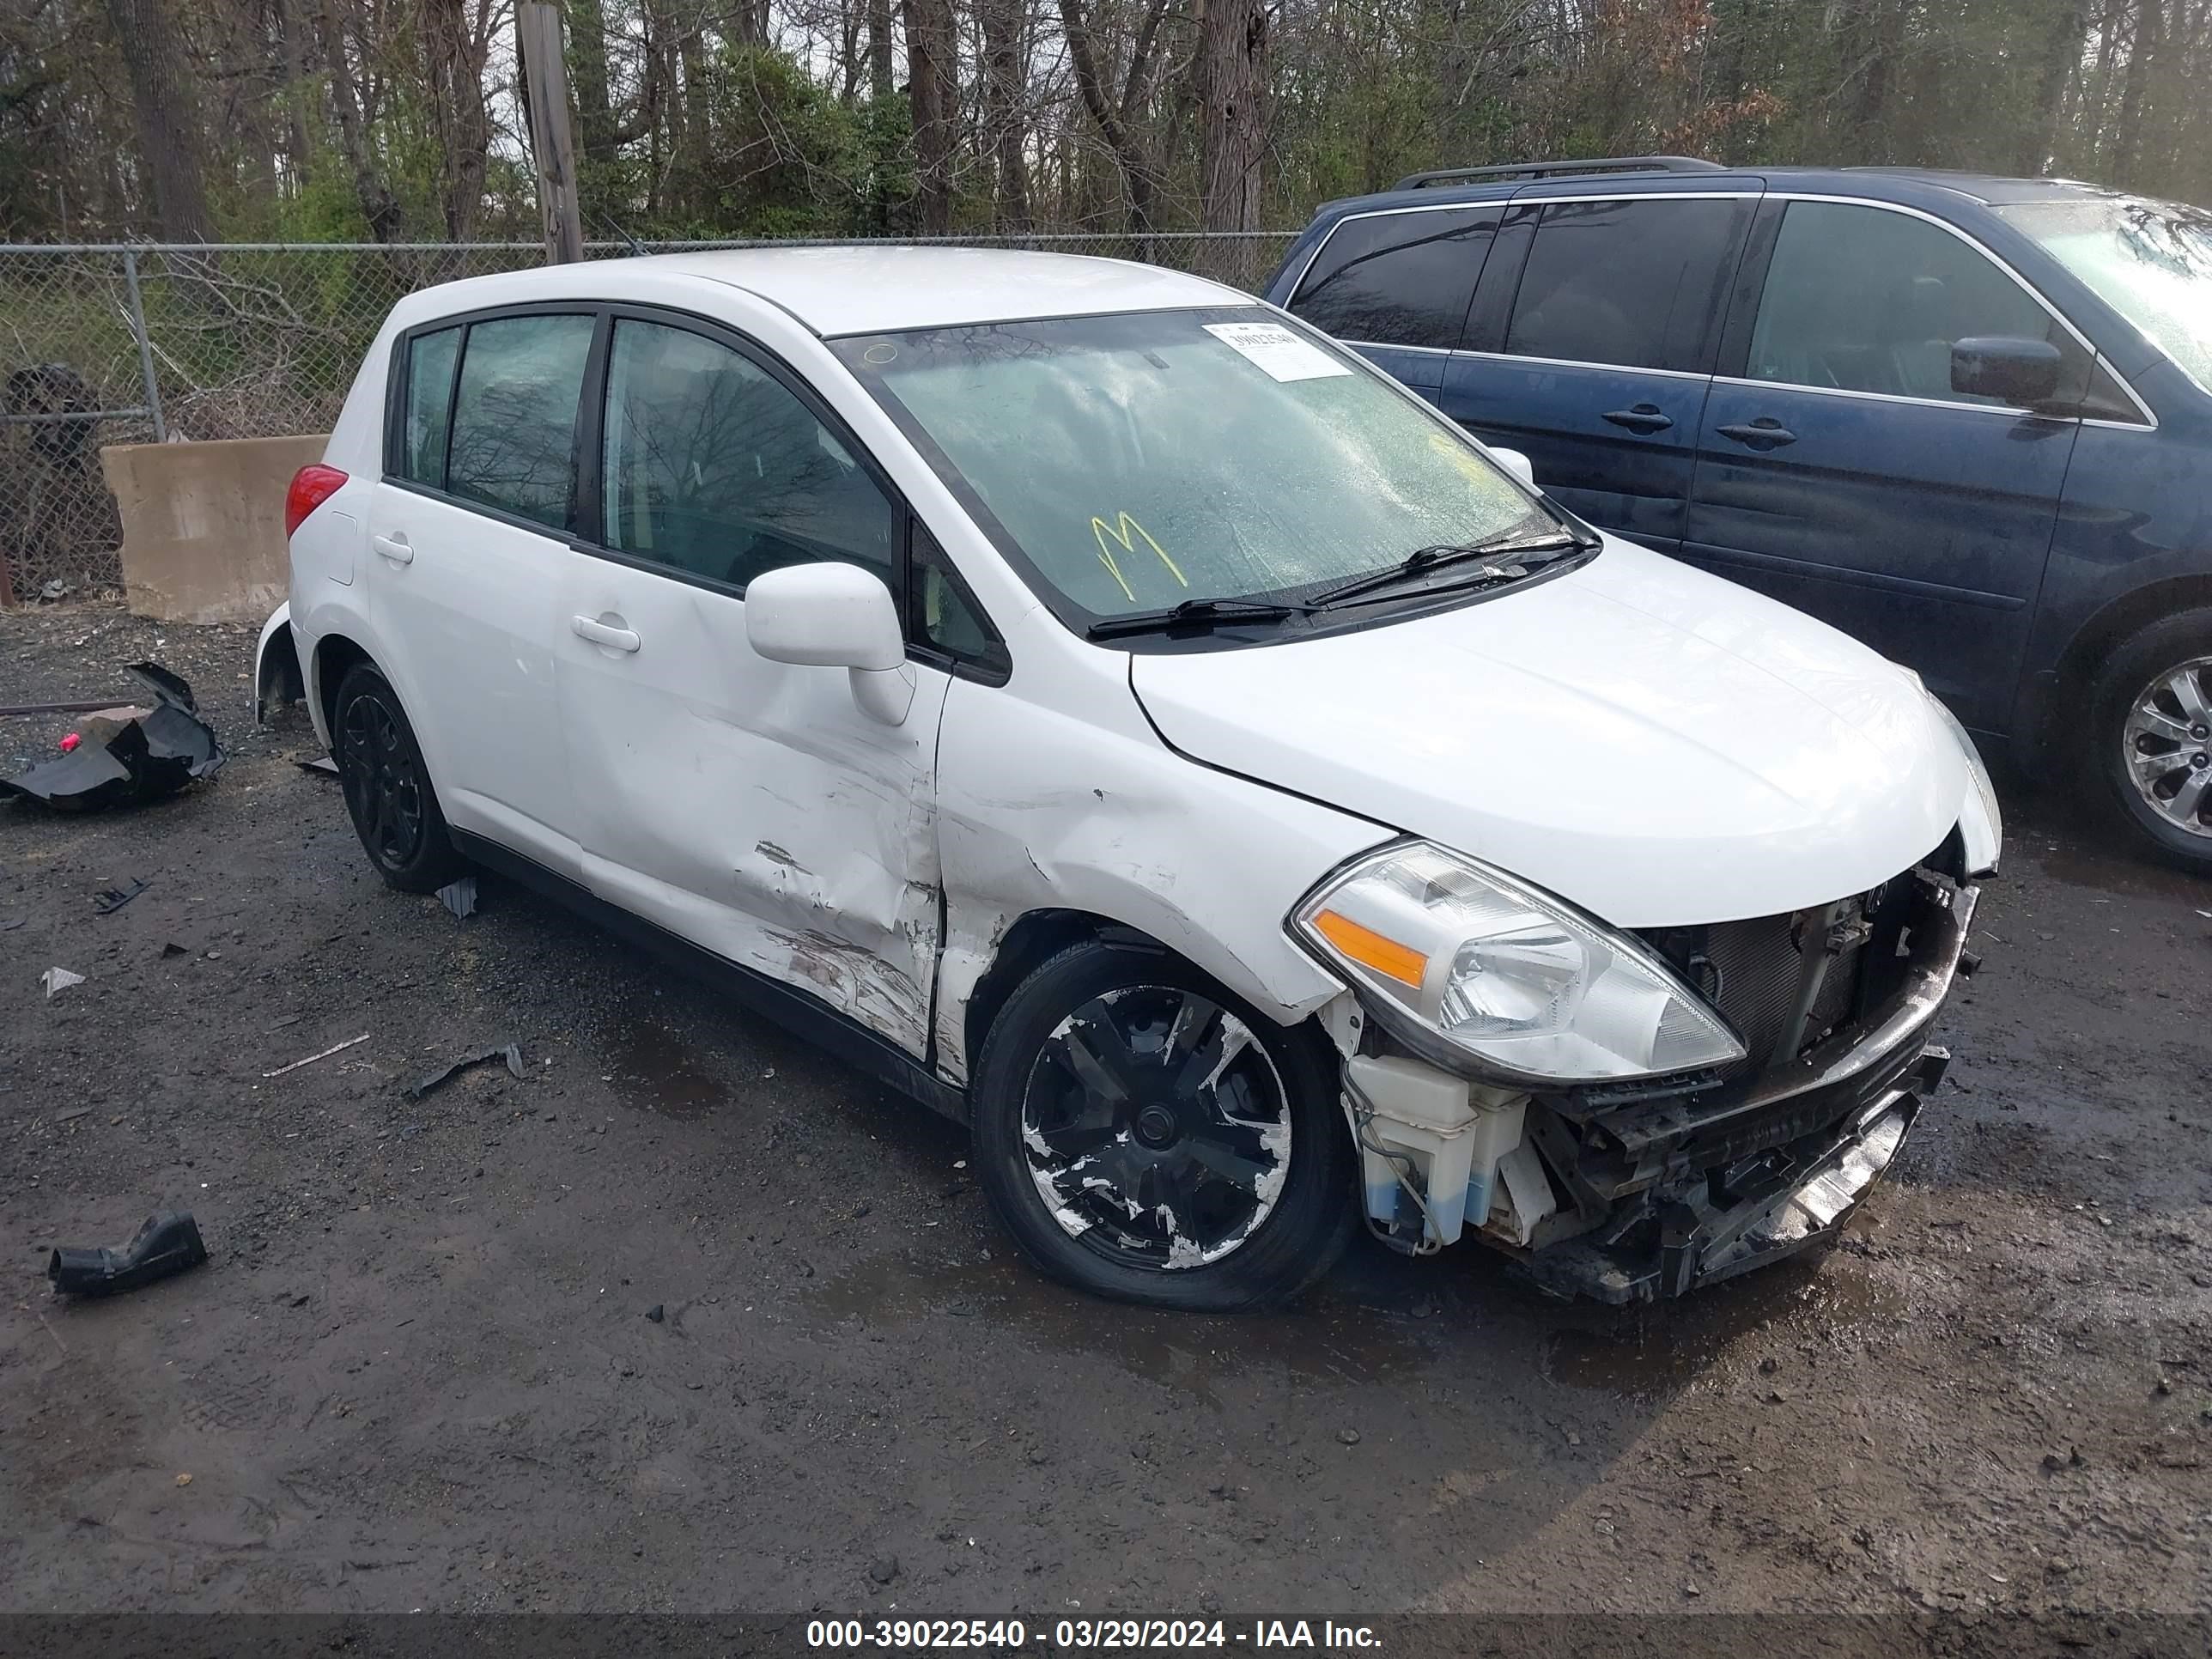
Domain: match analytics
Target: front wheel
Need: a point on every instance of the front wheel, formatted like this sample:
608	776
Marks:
1146	1136
2150	732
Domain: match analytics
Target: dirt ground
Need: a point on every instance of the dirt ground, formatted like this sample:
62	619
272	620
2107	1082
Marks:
693	1318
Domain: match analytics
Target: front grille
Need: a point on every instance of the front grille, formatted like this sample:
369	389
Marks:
1755	971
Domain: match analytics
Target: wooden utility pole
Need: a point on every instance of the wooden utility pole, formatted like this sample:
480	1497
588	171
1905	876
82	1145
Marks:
552	141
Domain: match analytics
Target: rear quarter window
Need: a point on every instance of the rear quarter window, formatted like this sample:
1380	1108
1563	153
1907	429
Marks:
1398	278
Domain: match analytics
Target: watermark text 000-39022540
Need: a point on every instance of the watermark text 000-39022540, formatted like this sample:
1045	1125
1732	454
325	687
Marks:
1109	1635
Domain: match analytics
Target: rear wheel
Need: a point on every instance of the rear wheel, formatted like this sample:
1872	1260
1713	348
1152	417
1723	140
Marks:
1146	1136
2150	736
387	787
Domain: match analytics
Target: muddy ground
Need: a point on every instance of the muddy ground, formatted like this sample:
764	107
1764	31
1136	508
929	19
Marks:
693	1318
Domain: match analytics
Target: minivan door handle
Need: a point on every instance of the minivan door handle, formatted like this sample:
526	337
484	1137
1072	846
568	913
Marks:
1643	418
599	632
1764	432
394	548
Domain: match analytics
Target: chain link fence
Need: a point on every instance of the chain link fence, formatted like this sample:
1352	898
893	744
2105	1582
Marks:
117	344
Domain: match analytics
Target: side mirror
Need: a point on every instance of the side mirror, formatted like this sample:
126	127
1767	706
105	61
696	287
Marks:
1516	463
835	616
2021	372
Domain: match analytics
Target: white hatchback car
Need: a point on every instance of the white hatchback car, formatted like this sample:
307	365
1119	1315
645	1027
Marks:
1091	699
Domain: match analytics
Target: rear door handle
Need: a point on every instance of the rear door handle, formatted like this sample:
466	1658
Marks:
599	632
1643	418
1764	432
394	548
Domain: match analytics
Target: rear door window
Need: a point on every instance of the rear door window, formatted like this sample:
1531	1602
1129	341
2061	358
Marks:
1861	298
514	415
1398	278
1637	284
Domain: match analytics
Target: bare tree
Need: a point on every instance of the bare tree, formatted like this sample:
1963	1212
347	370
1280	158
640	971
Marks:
933	86
1005	64
1116	115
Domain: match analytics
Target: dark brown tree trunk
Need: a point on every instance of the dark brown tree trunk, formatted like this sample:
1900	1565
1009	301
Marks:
2143	43
456	61
1004	80
378	205
167	107
880	85
2061	55
1231	71
933	71
589	83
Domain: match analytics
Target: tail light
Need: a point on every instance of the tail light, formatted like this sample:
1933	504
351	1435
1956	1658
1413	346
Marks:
311	487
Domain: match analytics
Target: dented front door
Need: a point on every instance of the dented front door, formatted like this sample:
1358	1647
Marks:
748	805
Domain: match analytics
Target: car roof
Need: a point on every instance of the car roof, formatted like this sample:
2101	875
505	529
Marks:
1906	185
867	289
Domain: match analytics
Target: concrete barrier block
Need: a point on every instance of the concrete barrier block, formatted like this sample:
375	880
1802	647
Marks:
204	525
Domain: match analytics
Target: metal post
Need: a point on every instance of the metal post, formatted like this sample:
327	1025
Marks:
145	345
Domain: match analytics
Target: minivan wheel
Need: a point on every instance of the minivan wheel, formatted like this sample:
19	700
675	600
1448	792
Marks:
387	788
1146	1136
2150	713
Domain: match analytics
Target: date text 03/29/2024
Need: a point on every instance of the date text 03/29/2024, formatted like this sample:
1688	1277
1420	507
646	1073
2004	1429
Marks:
1125	1635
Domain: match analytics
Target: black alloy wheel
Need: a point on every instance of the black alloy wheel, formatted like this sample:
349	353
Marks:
1146	1135
387	787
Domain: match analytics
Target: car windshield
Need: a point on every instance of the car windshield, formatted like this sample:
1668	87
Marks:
1132	463
2150	261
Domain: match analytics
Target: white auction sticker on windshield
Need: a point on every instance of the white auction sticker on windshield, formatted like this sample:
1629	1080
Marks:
1277	351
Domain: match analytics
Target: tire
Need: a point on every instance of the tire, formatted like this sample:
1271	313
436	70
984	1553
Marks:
387	787
1226	1164
2150	702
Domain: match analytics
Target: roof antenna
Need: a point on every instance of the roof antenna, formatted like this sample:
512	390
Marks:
635	246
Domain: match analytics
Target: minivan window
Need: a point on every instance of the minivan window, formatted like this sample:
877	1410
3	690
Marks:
946	618
429	406
1862	299
714	468
514	414
2149	261
1135	461
1398	278
1638	284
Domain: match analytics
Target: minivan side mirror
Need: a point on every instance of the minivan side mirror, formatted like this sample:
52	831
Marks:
1515	462
835	616
2020	371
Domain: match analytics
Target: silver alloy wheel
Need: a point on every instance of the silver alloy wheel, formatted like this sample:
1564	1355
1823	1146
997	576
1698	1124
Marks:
2167	744
1157	1126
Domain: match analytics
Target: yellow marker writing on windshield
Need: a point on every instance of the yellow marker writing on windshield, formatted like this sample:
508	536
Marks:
1125	530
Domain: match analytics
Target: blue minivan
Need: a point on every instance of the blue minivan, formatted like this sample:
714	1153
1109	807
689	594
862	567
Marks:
1967	419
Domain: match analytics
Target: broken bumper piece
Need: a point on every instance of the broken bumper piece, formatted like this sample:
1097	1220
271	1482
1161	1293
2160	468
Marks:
1662	1196
128	754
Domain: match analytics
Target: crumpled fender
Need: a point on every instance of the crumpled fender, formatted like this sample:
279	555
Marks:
278	678
1040	809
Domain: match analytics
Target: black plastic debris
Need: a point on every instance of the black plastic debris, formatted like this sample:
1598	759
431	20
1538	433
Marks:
460	895
168	1243
127	755
511	1053
112	899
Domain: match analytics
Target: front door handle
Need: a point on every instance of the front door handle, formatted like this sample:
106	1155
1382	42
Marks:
599	632
1643	418
1764	432
395	548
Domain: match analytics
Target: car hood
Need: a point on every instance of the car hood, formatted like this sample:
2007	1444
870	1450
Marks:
1656	744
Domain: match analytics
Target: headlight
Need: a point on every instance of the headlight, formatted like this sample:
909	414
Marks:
1984	840
1447	951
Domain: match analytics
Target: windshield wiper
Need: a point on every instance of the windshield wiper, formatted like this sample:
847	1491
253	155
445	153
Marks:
1503	558
1193	613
